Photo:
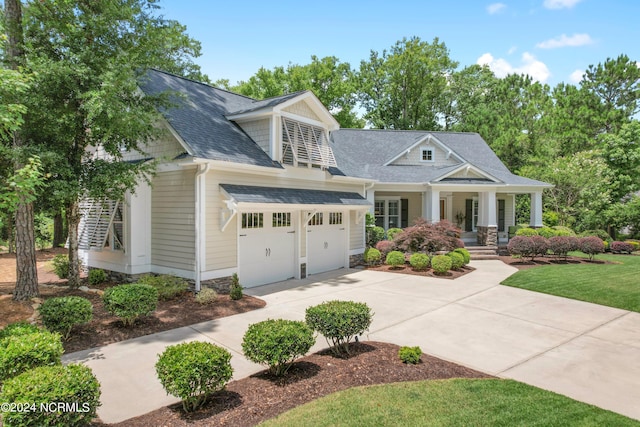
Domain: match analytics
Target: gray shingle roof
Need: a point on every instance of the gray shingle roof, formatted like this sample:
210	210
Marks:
253	194
198	116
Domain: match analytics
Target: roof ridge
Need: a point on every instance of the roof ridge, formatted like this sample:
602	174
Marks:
202	83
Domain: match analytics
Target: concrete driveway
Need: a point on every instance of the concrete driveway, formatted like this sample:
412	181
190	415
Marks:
585	351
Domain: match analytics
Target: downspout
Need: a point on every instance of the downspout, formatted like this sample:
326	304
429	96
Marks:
203	168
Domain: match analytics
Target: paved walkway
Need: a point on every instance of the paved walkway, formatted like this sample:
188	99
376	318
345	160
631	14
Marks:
585	351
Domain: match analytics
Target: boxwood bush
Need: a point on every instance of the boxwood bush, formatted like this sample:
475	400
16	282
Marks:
168	286
591	246
193	371
391	233
206	296
372	256
60	265
395	259
465	255
61	314
457	260
97	276
18	328
129	302
69	394
410	355
339	322
277	343
374	235
441	264
546	232
526	231
419	261
24	351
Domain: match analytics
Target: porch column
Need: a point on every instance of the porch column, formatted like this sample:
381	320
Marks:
536	210
371	198
431	205
487	219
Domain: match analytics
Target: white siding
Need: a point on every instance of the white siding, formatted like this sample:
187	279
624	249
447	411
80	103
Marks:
165	148
356	238
302	109
415	155
259	131
173	220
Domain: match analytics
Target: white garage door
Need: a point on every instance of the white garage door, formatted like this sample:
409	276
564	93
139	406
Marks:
267	252
326	242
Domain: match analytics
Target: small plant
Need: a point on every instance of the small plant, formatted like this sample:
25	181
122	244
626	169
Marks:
18	328
60	265
61	314
277	343
410	355
339	322
129	302
55	388
235	291
97	276
21	352
419	261
391	233
374	235
591	246
395	259
441	264
527	231
465	254
193	371
168	286
385	246
206	296
372	256
457	260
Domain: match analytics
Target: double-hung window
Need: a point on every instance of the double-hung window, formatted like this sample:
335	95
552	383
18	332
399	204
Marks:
387	213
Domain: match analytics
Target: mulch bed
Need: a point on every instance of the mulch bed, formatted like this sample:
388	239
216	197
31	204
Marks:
453	274
251	400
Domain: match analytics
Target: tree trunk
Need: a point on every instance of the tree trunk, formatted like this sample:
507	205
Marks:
59	236
73	219
26	271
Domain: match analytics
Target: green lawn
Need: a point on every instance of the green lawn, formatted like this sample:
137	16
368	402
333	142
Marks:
456	402
614	285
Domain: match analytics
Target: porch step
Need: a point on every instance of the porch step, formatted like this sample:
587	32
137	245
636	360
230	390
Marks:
482	252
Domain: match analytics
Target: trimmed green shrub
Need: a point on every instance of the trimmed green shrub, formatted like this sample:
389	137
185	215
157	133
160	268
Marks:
19	353
193	371
374	235
561	230
235	291
395	259
546	232
602	234
419	261
635	245
465	255
206	296
591	245
17	329
60	265
385	246
457	260
372	256
391	233
441	264
97	276
129	302
277	343
410	355
168	286
527	231
61	314
339	322
58	395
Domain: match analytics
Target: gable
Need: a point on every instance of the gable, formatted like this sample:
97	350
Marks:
467	173
302	109
414	156
167	147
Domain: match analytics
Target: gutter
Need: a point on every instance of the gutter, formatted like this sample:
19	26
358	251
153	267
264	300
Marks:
203	168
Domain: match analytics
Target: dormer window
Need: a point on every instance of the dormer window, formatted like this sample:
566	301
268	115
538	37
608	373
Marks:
426	155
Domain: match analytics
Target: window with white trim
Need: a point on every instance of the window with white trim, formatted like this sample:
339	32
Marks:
426	155
253	220
317	219
335	218
281	219
387	213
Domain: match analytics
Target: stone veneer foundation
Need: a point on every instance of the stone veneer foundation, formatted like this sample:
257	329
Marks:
487	236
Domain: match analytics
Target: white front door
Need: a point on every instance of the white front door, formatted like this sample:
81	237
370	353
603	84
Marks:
326	242
266	248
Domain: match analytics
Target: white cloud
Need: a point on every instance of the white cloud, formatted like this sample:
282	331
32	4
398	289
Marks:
564	41
560	4
496	8
529	65
512	50
576	76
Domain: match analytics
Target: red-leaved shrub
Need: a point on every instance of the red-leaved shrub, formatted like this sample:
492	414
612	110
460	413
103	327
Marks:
426	237
385	246
618	247
591	245
561	245
528	246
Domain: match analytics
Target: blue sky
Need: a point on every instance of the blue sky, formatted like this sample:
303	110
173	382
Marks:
552	40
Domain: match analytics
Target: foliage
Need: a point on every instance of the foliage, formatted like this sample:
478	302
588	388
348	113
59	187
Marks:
410	355
528	246
206	296
129	302
168	286
546	232
562	245
277	343
391	233
618	247
429	238
193	371
60	265
23	186
339	322
56	388
395	259
372	256
441	264
419	261
465	255
385	246
61	314
375	234
527	231
97	276
19	353
601	234
18	328
457	260
561	230
235	292
591	245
